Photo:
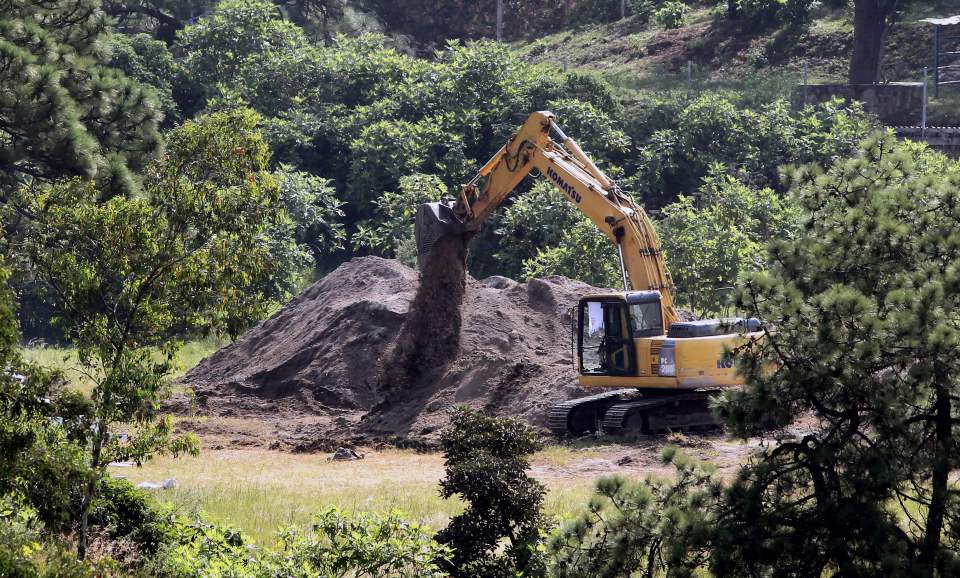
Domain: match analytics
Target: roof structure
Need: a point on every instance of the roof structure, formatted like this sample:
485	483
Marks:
948	21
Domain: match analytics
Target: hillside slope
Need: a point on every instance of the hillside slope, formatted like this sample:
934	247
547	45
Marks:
635	57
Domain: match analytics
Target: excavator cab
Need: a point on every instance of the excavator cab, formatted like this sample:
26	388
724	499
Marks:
607	326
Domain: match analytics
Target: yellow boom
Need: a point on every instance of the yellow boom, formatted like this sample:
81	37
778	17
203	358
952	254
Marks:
565	165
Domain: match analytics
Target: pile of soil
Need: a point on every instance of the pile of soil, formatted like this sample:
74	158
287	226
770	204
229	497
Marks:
316	368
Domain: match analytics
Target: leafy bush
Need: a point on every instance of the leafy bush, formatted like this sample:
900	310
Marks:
207	550
643	10
769	12
128	513
223	46
713	237
486	462
670	14
653	528
535	221
338	543
28	551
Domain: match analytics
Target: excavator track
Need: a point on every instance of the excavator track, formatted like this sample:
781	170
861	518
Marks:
660	414
585	414
613	413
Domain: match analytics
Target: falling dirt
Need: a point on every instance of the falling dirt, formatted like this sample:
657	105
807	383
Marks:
311	375
430	336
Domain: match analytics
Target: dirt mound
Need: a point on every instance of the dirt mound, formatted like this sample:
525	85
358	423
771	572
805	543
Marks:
316	362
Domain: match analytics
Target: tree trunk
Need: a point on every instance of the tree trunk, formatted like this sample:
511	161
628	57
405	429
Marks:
89	493
943	427
871	20
733	9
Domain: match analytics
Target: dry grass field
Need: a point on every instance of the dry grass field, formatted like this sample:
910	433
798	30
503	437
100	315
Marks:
260	491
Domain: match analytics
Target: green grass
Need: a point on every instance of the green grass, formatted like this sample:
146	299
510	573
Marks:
65	360
261	491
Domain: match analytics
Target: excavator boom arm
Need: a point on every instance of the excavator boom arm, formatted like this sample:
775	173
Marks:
580	181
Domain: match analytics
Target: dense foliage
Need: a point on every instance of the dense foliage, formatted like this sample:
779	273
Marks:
287	149
486	463
654	527
337	543
682	143
127	275
63	110
864	304
710	238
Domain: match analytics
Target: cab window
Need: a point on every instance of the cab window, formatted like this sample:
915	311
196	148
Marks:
646	319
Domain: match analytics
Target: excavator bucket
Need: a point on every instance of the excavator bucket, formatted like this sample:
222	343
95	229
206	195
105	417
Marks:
434	220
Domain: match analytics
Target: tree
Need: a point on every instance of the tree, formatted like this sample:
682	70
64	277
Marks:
63	112
486	463
222	47
314	213
710	239
129	274
679	146
863	312
872	20
150	63
42	428
391	233
161	18
583	252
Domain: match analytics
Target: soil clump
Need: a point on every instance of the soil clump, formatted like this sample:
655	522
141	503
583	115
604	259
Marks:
319	370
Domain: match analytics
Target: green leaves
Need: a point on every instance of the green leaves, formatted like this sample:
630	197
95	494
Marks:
65	113
390	234
714	237
652	527
864	343
128	274
486	459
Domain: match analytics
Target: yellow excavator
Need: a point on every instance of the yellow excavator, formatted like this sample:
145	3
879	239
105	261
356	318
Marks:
658	372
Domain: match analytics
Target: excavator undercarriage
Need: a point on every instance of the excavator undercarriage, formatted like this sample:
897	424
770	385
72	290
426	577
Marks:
631	412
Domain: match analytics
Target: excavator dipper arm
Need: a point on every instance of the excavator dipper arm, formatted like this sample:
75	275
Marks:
580	181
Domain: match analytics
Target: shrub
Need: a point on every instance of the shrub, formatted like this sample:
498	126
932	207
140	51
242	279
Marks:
341	543
27	550
128	513
207	550
643	10
338	543
653	528
486	463
671	14
759	13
